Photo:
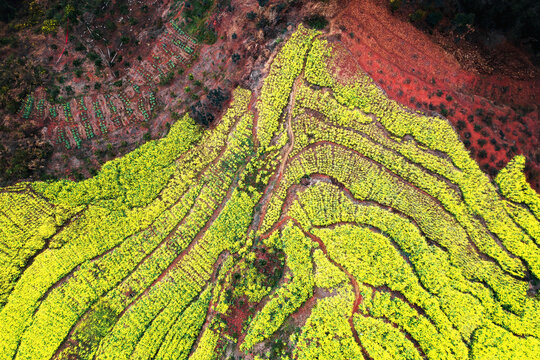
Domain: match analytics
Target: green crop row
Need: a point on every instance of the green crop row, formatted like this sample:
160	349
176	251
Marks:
306	125
493	342
206	349
185	324
327	275
325	205
131	181
182	282
372	258
96	230
434	343
327	332
65	304
324	103
153	210
370	182
514	186
524	218
394	240
213	190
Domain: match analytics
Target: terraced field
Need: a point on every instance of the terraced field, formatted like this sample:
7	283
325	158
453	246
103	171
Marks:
486	110
317	220
85	117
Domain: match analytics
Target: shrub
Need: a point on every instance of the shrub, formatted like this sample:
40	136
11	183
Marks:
417	16
482	154
199	113
394	5
167	79
217	97
49	26
433	18
317	22
263	23
444	110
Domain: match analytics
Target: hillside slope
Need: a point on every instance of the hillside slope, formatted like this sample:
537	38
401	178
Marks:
317	220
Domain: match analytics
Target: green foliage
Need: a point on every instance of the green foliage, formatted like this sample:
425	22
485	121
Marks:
196	14
513	185
317	22
26	222
327	274
383	341
167	79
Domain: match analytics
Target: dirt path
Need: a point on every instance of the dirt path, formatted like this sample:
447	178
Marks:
290	132
357	296
269	190
322	246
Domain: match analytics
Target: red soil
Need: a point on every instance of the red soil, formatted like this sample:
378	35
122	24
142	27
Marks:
237	315
241	307
412	69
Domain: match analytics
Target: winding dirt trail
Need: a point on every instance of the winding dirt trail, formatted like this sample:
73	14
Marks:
290	133
269	190
358	297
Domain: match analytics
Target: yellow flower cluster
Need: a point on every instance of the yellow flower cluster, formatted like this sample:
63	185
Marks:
285	68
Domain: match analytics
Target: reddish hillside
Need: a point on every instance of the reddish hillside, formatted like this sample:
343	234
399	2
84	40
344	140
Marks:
496	115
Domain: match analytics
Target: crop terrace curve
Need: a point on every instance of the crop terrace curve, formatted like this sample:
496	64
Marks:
381	219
